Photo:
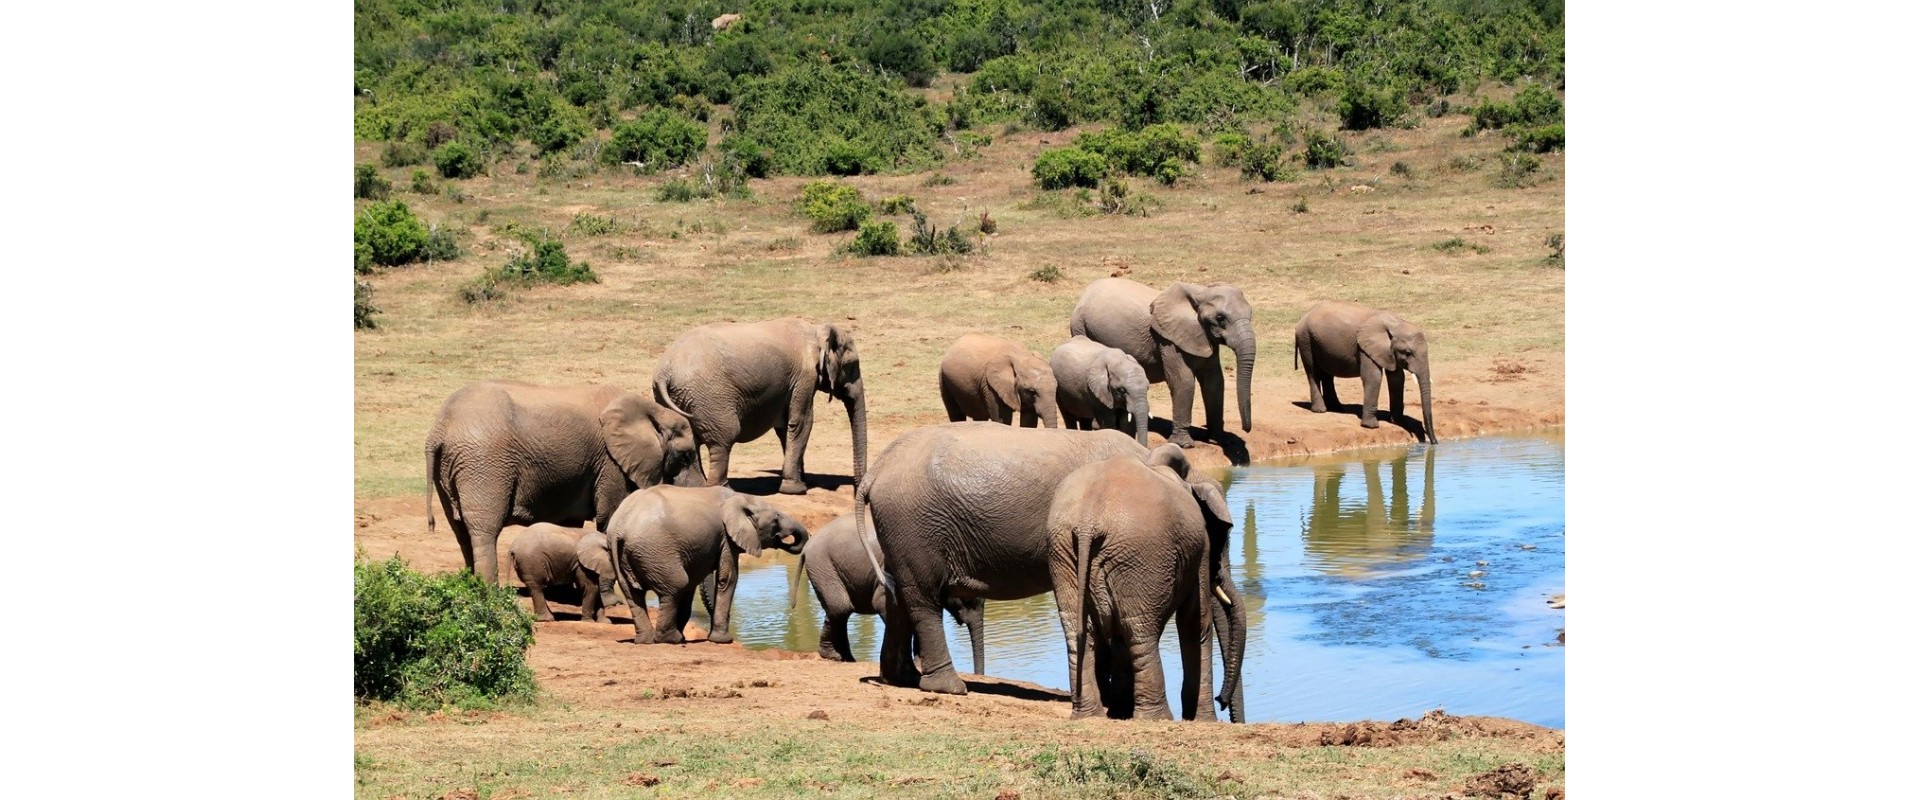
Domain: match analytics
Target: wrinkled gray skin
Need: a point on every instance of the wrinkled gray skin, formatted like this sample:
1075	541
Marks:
1175	334
512	453
1100	387
960	511
1348	340
1134	545
835	562
668	539
547	556
989	378
736	381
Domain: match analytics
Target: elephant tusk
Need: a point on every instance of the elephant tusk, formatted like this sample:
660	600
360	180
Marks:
1222	594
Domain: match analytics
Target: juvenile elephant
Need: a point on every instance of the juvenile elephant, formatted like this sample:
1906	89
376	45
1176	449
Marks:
1347	340
1100	387
989	378
668	539
546	556
960	511
1175	334
1135	544
835	562
512	453
736	381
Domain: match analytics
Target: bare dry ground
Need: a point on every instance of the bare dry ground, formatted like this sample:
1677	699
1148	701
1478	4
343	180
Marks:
614	713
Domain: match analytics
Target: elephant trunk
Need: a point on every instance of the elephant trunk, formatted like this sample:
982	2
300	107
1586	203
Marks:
1137	408
1240	338
1047	403
690	473
1426	402
799	581
799	535
1231	621
856	400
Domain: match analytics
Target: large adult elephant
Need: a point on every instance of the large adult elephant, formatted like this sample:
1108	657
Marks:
1175	334
1100	387
960	511
835	561
1136	544
991	378
1347	340
737	380
513	453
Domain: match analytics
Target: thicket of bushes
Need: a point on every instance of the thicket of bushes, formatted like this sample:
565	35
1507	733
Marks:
434	640
821	87
544	261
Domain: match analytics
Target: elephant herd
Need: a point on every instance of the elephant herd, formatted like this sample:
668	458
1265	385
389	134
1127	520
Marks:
946	517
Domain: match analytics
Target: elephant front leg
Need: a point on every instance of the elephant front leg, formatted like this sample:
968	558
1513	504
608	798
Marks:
642	622
1213	394
799	427
1396	396
670	618
936	663
1179	384
540	610
725	579
589	595
1369	393
834	644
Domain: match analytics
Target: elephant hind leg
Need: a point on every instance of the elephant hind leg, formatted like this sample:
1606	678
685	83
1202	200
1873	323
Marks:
834	644
954	412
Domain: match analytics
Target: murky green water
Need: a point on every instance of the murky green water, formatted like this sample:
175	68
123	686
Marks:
1380	585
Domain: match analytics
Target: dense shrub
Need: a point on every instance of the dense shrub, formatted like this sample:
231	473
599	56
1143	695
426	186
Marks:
903	54
391	233
446	639
1541	139
1325	150
899	204
367	183
441	245
1230	149
678	190
1314	80
1533	105
457	160
876	239
1363	107
1069	166
545	261
814	118
1265	160
659	139
833	206
1160	151
363	308
928	239
423	183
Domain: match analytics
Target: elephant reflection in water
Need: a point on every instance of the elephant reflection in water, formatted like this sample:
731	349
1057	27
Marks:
1360	537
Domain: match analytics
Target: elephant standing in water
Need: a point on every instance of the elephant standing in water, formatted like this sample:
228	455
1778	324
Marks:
1135	544
736	381
547	556
1347	340
990	378
835	561
960	511
1100	387
1175	334
668	539
511	453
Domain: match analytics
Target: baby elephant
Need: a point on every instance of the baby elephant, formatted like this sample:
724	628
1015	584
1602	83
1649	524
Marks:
835	561
668	539
1347	340
547	556
1100	387
989	378
1135	543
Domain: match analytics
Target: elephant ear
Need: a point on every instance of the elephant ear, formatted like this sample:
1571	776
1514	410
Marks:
1172	457
632	440
743	528
594	554
830	347
1003	379
1377	341
1175	319
1213	501
1099	380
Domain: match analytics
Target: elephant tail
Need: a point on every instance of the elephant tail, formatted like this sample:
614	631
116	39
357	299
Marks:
869	537
433	476
799	581
663	396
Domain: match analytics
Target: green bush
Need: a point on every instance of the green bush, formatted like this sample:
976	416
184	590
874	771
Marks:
928	239
1535	105
1518	170
876	239
1266	160
900	204
391	233
813	119
428	641
456	160
362	258
1069	166
1363	107
903	54
545	261
402	154
1046	274
1230	149
1540	139
441	245
1148	152
1314	80
585	224
833	206
363	308
1117	198
1325	150
659	139
423	183
367	183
